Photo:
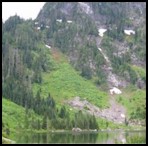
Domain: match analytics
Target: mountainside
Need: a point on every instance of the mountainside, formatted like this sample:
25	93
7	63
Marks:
76	65
76	34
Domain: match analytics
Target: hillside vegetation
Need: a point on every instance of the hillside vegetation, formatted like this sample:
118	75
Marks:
60	56
135	102
15	118
65	83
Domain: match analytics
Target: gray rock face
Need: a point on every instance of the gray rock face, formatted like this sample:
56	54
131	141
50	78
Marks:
134	14
85	7
113	113
140	84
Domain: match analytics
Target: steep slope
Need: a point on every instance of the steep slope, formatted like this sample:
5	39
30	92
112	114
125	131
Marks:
14	118
109	58
29	62
134	100
115	113
65	83
80	39
62	65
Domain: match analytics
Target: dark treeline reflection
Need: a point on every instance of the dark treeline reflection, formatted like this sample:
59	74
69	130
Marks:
59	138
85	137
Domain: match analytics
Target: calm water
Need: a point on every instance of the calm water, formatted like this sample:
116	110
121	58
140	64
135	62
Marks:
87	137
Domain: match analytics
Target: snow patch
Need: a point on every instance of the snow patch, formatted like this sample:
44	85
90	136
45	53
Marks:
106	58
129	32
69	21
111	77
115	90
100	49
59	20
101	31
36	23
47	26
48	46
122	115
38	28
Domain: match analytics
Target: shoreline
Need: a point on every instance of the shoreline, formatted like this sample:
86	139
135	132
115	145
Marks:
7	141
84	130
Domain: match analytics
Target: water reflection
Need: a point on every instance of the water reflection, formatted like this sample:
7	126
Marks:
87	137
70	138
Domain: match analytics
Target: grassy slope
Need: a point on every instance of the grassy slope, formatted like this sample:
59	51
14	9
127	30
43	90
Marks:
65	83
13	117
12	113
139	70
132	98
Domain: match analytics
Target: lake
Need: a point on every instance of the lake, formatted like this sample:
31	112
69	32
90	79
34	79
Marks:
102	137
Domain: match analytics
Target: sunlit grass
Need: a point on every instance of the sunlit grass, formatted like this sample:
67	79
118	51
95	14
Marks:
13	117
141	71
132	98
65	83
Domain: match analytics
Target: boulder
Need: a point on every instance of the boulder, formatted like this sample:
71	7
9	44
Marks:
76	129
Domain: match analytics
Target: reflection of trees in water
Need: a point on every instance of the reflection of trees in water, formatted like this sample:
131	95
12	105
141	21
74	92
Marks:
136	137
131	137
44	138
68	137
72	138
106	137
103	136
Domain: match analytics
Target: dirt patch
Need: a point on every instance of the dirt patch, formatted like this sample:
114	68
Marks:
56	55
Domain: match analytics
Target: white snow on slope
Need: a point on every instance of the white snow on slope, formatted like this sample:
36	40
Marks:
106	58
38	28
129	32
101	31
69	21
59	20
122	115
36	23
48	46
115	90
47	26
